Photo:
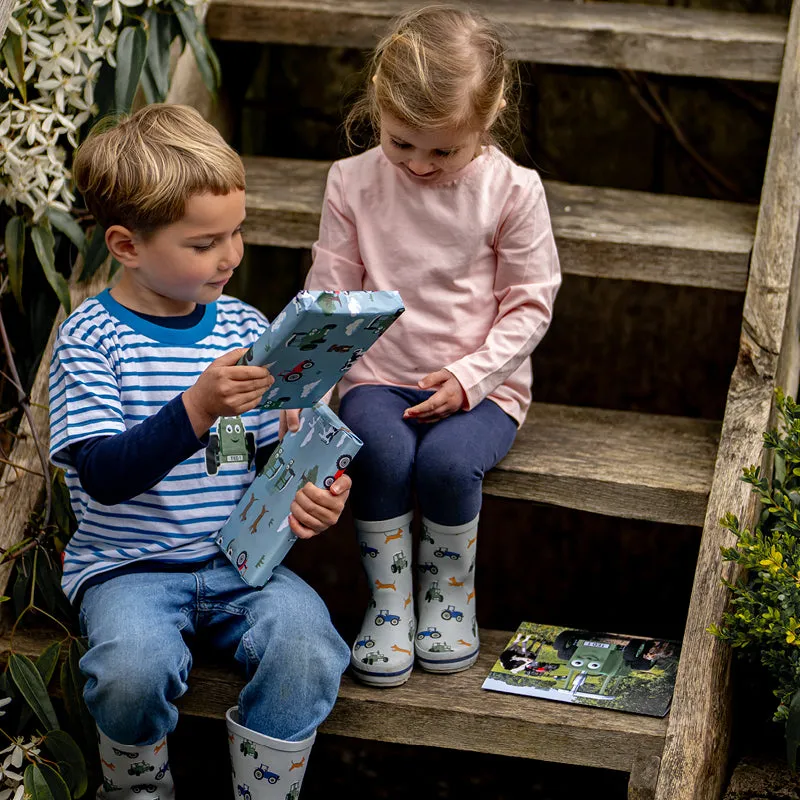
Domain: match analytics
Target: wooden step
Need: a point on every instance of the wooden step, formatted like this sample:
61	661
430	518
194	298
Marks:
620	463
672	41
605	233
450	711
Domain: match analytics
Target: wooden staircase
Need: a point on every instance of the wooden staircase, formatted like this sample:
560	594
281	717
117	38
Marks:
630	465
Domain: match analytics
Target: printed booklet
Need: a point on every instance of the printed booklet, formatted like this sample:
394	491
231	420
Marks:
588	668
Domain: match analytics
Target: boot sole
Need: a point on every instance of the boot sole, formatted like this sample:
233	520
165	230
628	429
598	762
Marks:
449	665
382	679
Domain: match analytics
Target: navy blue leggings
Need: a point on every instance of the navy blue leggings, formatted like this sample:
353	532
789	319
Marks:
443	462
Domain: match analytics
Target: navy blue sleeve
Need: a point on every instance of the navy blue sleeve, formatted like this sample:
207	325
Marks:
114	469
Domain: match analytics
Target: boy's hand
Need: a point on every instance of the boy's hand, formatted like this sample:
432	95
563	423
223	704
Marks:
225	389
448	398
314	509
290	421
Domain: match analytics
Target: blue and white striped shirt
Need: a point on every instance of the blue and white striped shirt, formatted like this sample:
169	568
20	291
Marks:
111	370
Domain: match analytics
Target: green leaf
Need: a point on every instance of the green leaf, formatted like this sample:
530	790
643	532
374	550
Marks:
31	686
130	55
12	55
99	13
158	45
148	86
55	783
72	680
15	254
47	661
36	787
44	244
195	36
66	223
96	254
71	761
793	731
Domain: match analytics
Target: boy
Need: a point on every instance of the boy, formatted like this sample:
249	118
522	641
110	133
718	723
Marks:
139	377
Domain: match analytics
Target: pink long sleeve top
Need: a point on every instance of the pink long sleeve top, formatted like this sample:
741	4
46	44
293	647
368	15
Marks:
472	256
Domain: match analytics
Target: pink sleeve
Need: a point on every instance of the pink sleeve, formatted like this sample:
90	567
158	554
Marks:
526	283
336	258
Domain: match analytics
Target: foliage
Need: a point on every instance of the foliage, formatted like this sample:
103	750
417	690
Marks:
63	65
763	619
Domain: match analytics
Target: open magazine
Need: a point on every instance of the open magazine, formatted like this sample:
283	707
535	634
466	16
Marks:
588	668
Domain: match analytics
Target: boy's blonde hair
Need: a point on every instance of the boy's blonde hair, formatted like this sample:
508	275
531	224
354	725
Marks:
440	66
140	171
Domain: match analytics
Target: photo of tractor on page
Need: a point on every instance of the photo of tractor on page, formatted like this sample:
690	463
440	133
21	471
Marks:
588	668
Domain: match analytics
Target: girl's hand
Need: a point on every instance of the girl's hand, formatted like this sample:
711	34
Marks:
448	398
289	421
314	509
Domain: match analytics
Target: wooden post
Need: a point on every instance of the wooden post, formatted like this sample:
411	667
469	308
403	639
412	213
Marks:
694	760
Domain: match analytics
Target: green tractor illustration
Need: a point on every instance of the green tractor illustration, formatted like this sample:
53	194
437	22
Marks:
231	444
399	562
382	322
312	339
587	657
328	301
109	785
248	748
294	791
275	403
434	593
277	470
373	658
440	647
139	768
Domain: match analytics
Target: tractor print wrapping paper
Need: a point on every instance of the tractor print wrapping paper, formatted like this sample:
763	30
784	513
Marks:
316	339
257	536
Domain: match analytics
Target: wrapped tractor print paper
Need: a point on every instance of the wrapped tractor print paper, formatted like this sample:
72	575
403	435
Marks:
316	339
257	535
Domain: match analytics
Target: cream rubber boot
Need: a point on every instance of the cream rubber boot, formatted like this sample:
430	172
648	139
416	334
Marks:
447	633
383	653
134	771
265	768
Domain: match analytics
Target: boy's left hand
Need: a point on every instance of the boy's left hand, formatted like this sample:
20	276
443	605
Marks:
315	509
448	398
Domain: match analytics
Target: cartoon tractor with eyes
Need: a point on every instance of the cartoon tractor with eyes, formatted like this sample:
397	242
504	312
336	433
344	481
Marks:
589	656
311	340
231	444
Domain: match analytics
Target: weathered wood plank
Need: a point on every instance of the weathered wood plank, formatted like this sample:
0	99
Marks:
644	776
604	233
673	41
456	713
621	463
694	759
21	484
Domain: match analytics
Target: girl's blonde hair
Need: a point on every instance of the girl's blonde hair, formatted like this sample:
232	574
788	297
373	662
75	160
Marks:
139	171
440	66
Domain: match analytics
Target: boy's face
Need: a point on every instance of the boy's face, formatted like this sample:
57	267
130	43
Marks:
187	262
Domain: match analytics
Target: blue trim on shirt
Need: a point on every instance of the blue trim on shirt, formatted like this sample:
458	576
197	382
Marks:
159	333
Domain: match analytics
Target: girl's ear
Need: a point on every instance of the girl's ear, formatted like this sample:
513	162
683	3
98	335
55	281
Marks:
121	245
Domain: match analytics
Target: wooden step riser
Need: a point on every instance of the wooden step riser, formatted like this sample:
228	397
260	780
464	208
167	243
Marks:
672	41
602	233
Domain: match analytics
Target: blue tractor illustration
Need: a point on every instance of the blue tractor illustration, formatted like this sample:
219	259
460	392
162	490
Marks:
243	790
443	552
262	773
312	339
231	444
429	632
366	550
451	613
367	641
428	566
162	770
385	616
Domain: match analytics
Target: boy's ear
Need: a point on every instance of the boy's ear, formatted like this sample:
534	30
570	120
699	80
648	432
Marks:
121	244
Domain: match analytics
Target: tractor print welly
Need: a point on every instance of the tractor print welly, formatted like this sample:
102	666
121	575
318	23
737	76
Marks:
231	444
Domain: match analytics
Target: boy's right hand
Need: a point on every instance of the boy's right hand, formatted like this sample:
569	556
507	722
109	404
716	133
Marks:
290	421
225	389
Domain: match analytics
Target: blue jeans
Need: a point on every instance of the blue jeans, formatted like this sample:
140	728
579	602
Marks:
443	462
139	661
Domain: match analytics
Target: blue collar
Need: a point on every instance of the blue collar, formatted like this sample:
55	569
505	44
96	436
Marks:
159	333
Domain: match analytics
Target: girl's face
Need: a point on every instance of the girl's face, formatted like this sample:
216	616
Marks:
428	155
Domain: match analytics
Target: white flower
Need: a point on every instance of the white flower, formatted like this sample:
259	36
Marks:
116	8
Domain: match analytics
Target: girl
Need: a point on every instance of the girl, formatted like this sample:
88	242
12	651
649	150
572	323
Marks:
439	213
